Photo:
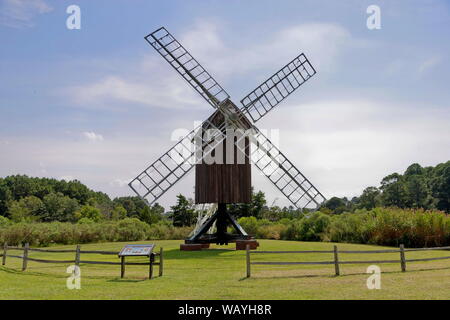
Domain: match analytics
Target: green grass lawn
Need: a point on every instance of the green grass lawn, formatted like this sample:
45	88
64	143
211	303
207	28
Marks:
219	273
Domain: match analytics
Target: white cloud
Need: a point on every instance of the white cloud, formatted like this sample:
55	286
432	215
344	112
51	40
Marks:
114	90
343	146
322	42
20	13
120	182
156	86
92	136
429	64
402	67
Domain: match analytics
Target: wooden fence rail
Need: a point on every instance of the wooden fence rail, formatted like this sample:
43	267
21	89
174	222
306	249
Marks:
77	258
337	262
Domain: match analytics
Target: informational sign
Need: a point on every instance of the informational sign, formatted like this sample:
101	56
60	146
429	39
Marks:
136	250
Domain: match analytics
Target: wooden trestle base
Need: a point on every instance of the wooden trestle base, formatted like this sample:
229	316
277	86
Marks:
240	245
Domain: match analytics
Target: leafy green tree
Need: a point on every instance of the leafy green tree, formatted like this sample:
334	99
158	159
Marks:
89	212
414	169
440	186
255	208
335	205
133	205
394	191
118	213
27	209
369	199
417	191
59	207
151	215
183	213
5	197
258	203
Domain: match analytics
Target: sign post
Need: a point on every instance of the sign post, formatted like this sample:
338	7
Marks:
137	250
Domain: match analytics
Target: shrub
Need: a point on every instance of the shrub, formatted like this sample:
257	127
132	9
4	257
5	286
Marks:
250	225
4	221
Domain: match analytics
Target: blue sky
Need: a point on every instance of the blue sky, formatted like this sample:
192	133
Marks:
98	104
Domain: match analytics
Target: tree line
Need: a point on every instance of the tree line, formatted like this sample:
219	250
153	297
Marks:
418	187
28	199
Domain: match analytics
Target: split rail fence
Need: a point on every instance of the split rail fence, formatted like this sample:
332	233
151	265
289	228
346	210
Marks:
336	261
77	258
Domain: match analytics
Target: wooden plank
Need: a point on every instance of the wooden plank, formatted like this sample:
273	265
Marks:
312	251
50	261
294	263
336	260
425	249
5	250
402	258
427	259
368	261
370	251
247	252
15	248
14	256
50	250
25	257
116	263
100	252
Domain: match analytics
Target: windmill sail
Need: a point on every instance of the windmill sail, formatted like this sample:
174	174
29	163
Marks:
173	165
187	66
278	87
283	174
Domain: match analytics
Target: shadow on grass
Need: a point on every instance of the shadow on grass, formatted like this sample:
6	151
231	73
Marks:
119	280
205	253
30	273
335	276
27	273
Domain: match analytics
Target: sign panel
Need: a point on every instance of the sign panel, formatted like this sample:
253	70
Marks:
137	250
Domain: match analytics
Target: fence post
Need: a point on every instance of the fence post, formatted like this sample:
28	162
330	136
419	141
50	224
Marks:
25	257
336	261
77	255
402	258
5	249
122	266
161	261
150	268
247	251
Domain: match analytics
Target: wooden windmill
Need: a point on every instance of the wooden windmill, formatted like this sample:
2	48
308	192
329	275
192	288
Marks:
227	180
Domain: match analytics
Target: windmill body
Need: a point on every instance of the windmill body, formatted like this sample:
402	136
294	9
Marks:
226	145
226	179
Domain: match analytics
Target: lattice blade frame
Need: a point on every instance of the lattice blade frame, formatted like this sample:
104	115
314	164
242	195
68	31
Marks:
187	66
277	88
282	173
173	165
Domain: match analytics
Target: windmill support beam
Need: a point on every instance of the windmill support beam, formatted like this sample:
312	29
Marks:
222	218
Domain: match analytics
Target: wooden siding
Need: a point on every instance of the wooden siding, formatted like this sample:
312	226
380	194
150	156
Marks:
224	183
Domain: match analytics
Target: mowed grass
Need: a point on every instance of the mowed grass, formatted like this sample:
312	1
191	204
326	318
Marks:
219	273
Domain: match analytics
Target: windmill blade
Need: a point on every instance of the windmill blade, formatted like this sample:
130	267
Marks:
282	173
278	87
173	165
187	66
